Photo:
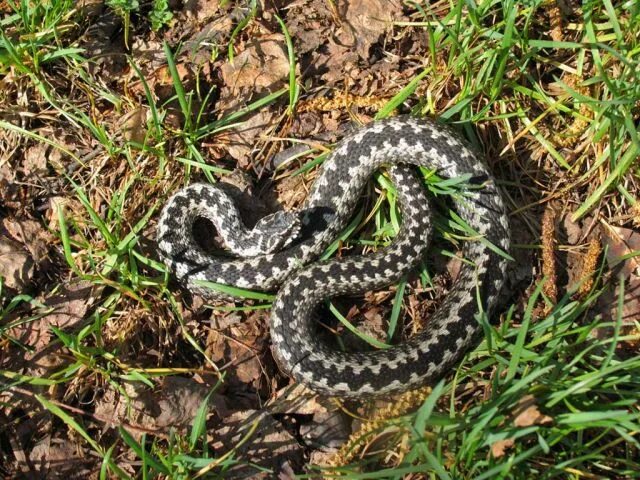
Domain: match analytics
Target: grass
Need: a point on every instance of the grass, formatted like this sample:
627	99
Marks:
556	114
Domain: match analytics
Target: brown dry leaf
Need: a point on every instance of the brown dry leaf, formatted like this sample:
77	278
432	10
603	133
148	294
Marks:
59	459
376	324
242	344
263	66
241	140
35	159
527	413
16	265
328	430
500	447
572	229
7	180
291	192
310	23
202	10
340	63
178	401
454	265
134	125
163	81
174	404
34	237
67	204
621	242
366	21
69	306
212	28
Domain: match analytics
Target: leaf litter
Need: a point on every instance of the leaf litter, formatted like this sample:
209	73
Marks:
352	59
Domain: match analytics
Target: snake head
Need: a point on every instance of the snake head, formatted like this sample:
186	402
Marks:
278	230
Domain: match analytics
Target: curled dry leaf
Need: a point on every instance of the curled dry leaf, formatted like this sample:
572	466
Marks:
68	206
309	22
261	68
327	431
573	230
328	428
241	140
622	242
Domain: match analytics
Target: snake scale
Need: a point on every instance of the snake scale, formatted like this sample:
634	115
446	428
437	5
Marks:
281	253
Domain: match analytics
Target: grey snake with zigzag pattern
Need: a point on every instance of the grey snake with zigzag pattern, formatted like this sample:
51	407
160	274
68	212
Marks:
281	253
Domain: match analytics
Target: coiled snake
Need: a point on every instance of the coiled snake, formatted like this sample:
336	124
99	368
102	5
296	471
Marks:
278	254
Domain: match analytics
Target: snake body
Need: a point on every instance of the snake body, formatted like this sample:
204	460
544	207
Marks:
287	245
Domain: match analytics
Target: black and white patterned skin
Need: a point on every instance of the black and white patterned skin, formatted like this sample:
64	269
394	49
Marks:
399	143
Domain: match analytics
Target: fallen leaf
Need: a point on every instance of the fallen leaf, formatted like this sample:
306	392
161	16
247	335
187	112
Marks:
32	235
291	192
58	459
202	10
242	345
329	426
178	401
622	242
366	21
310	23
327	430
173	404
573	230
35	160
241	141
16	265
134	125
500	447
262	65
67	308
527	413
67	204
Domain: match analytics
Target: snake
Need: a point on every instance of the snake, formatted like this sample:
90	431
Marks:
283	251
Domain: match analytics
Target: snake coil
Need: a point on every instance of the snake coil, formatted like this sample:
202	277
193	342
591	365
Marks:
281	253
